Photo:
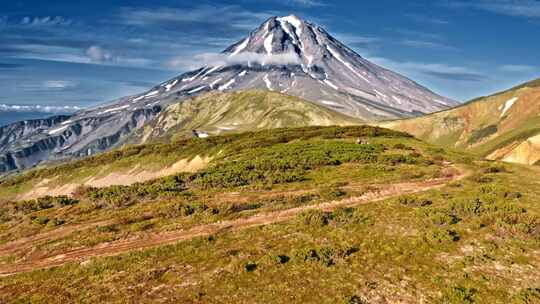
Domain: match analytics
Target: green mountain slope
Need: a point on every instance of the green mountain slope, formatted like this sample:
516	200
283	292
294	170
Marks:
304	215
141	163
217	113
504	126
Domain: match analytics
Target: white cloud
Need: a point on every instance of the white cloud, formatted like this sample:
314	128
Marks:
47	20
427	19
232	16
351	39
426	44
98	54
307	3
436	70
517	68
58	84
213	59
38	108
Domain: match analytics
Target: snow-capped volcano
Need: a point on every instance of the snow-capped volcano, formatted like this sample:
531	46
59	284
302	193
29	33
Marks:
292	56
285	54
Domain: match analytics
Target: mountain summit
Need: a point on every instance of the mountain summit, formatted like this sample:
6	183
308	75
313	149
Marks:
292	56
285	54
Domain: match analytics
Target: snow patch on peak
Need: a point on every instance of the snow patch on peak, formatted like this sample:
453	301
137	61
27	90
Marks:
197	89
227	85
57	130
213	84
330	84
268	43
397	99
267	82
293	20
170	85
241	47
212	70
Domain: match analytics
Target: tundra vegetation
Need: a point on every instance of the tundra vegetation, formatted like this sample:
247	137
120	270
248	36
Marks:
474	240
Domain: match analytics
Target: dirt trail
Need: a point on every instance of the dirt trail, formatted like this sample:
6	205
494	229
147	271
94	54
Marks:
158	239
27	243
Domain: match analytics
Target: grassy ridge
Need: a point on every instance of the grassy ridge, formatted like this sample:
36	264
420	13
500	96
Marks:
466	243
483	126
220	113
161	155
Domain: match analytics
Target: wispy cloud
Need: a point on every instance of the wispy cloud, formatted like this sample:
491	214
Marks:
357	40
427	45
226	16
38	108
517	68
98	54
427	19
45	21
307	3
437	70
58	84
524	8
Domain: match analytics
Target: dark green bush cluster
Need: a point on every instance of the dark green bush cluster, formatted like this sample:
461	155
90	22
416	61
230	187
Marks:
527	296
340	216
414	201
284	163
119	196
326	255
480	134
441	236
316	218
42	203
401	146
354	300
396	159
491	206
459	295
496	168
234	143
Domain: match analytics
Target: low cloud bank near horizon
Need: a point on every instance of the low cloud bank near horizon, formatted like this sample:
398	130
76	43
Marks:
39	108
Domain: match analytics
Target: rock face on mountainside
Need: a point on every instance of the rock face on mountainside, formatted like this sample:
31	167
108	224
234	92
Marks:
286	55
504	126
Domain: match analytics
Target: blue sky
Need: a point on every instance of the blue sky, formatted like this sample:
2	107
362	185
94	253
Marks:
71	53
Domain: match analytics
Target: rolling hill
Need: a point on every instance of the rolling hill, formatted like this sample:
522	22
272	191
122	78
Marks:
217	113
504	126
303	215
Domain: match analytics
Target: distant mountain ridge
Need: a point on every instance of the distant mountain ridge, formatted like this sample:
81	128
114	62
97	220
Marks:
285	54
504	126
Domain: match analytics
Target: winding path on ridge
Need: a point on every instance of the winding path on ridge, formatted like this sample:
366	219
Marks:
159	239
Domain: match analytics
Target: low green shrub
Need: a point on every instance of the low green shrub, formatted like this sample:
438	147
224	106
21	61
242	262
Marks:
326	255
344	216
42	203
441	236
459	295
316	218
527	296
